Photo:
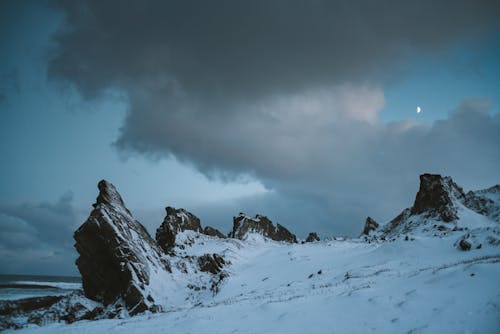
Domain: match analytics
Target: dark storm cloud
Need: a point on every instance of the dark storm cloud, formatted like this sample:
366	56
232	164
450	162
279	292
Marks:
37	237
288	91
242	49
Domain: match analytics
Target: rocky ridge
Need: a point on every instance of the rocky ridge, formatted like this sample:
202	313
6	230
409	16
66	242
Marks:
442	207
126	272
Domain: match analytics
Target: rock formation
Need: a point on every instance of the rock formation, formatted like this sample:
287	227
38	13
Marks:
180	220
312	237
117	254
370	225
243	225
212	263
437	208
485	202
213	232
436	196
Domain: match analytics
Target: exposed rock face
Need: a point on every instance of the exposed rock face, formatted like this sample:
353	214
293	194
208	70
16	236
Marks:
435	197
243	225
165	237
41	310
213	232
437	200
212	263
117	254
282	234
370	225
438	206
11	307
485	202
312	237
179	220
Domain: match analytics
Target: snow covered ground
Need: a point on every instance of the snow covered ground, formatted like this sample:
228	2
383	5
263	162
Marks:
424	285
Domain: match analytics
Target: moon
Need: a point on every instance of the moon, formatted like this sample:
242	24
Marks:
419	110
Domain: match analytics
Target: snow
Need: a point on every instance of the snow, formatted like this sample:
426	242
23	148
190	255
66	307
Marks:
422	286
58	285
418	281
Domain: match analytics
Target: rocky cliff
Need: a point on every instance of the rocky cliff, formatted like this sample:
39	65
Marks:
442	207
117	255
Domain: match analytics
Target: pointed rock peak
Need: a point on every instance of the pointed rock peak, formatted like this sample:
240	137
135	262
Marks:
283	234
312	237
108	195
117	255
370	225
171	211
435	197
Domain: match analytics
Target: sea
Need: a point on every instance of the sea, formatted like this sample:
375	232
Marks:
14	287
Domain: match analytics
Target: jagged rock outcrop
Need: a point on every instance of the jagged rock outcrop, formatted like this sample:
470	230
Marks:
438	206
243	225
437	200
213	232
436	196
485	202
212	263
176	220
282	234
180	220
370	225
18	313
312	237
117	255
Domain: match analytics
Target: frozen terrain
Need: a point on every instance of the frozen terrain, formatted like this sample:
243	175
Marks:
432	269
424	285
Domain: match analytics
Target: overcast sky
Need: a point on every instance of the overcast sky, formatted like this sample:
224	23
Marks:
304	111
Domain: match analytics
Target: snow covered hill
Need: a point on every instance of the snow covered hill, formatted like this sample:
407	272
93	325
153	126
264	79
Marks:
410	275
420	286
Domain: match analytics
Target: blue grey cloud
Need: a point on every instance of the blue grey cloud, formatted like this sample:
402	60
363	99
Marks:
289	92
37	237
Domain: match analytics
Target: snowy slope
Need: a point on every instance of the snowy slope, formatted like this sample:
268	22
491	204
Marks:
422	286
411	275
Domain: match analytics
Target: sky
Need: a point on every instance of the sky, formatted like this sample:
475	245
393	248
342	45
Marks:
301	111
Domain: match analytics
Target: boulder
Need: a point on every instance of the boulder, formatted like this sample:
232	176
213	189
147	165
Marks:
117	254
464	245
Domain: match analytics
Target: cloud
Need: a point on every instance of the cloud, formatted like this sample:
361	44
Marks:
37	237
336	177
244	49
289	92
